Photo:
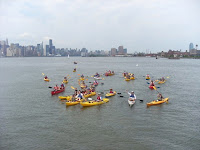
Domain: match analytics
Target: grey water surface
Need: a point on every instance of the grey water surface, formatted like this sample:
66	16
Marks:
30	118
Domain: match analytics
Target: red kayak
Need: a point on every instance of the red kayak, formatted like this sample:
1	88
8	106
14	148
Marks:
56	92
151	87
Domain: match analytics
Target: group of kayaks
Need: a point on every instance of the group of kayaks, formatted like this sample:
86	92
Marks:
69	102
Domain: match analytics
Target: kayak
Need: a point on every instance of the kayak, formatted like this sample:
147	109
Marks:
147	78
98	78
131	103
127	79
65	97
65	81
95	83
83	86
82	79
132	78
74	70
56	92
155	102
93	103
110	94
47	80
109	74
161	82
89	95
70	103
151	87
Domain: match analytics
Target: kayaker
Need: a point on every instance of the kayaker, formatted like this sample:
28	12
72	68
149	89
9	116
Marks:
82	76
79	96
111	91
99	98
162	79
132	75
56	88
147	76
46	77
75	91
62	86
152	83
73	98
132	96
160	97
74	69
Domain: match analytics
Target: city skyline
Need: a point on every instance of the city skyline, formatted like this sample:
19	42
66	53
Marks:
139	25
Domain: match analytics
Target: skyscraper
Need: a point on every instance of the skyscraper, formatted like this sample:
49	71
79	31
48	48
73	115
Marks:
50	46
191	46
120	50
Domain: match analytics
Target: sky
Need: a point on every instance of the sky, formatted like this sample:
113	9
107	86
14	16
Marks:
138	25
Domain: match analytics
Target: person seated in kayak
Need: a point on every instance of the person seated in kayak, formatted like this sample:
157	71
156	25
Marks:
82	76
147	76
112	72
128	76
56	88
79	96
132	96
62	86
152	83
73	98
160	97
162	79
65	78
97	74
46	77
132	75
111	91
99	98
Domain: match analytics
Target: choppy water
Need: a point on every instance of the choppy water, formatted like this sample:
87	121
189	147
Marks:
30	118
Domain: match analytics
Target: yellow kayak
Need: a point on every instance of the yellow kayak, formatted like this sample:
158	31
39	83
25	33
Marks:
132	78
93	103
65	81
65	97
47	80
82	79
89	95
161	82
83	86
70	103
74	70
127	79
110	94
155	102
147	78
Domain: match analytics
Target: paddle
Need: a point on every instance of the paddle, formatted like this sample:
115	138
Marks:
72	87
50	86
135	99
43	74
154	88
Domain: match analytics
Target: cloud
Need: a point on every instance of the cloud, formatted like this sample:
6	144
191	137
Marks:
136	24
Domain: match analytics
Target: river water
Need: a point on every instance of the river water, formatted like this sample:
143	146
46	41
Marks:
30	118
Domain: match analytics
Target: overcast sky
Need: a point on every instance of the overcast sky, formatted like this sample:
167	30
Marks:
138	25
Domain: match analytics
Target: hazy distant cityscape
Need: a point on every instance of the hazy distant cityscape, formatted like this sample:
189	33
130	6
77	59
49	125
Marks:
41	50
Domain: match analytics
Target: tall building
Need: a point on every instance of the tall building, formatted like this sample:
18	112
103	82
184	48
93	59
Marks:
50	46
113	51
120	50
191	46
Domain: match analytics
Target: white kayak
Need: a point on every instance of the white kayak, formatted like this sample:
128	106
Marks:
98	78
131	103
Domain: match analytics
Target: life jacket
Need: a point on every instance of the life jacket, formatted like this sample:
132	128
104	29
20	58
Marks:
80	96
98	98
132	95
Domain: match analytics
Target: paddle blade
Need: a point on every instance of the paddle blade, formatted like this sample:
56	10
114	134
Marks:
43	74
154	88
72	87
167	77
50	87
148	83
